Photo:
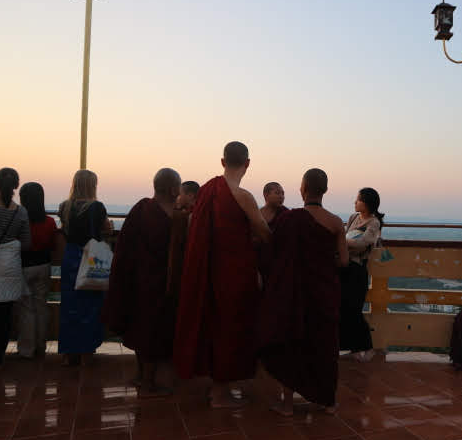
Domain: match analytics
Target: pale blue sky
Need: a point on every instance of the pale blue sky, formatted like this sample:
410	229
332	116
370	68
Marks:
358	88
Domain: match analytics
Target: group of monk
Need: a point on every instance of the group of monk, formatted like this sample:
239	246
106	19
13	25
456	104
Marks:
206	278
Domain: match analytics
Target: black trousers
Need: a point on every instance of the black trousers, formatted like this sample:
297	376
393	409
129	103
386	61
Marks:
6	312
355	334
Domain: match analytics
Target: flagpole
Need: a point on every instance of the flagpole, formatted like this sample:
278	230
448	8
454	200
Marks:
85	85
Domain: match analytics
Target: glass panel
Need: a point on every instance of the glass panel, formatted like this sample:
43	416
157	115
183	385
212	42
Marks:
424	308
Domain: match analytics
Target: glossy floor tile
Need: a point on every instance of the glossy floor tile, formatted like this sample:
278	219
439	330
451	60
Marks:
411	396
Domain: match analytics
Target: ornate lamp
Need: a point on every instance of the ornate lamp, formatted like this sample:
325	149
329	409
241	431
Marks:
444	21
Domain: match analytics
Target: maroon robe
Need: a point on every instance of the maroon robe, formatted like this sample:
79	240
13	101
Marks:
279	211
264	249
219	290
137	306
298	322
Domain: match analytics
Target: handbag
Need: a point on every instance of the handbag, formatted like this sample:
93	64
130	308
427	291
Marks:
95	265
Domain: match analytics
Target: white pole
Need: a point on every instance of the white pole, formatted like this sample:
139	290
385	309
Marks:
85	86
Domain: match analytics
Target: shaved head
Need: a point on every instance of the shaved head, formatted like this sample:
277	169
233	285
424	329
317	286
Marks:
316	182
270	187
190	187
167	183
236	154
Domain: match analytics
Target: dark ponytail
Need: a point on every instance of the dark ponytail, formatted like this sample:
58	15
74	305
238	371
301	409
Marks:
9	181
32	198
370	197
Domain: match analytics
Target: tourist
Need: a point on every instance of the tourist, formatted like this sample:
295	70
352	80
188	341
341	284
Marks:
83	217
363	231
188	194
274	203
14	237
32	307
299	313
138	306
219	289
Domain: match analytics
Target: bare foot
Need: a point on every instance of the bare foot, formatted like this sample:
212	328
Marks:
314	407
147	392
355	357
238	393
331	410
282	410
368	355
229	402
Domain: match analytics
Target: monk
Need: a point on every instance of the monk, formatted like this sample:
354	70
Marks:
274	196
299	315
219	287
188	194
274	207
184	206
137	306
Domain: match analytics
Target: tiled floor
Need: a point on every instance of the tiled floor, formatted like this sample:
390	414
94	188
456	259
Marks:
411	396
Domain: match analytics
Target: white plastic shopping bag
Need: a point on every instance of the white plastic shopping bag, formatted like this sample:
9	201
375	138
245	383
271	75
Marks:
95	266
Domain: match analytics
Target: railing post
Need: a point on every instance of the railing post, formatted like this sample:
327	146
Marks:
378	297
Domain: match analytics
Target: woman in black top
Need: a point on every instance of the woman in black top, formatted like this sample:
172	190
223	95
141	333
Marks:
14	237
83	218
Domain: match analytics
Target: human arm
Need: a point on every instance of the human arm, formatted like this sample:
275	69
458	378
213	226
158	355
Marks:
369	238
24	235
108	228
249	205
342	248
106	224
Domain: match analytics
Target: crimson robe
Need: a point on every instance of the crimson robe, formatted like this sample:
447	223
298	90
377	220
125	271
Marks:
298	322
137	306
279	211
219	290
264	251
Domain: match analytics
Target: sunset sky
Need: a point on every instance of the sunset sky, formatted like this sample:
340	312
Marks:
358	88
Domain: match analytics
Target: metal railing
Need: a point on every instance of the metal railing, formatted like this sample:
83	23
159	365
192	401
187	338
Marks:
385	225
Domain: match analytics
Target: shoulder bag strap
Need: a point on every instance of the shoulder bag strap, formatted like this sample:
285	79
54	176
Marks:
350	221
91	212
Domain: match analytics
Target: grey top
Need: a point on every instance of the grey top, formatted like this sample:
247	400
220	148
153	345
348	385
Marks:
18	229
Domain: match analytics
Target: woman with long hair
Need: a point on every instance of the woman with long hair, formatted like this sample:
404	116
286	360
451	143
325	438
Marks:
363	231
14	237
36	263
83	217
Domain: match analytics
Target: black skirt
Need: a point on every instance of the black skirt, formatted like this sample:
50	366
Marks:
355	334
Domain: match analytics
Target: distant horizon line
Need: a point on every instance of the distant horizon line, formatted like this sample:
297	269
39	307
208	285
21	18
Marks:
113	209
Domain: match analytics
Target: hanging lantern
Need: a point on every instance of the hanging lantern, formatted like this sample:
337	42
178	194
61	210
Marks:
443	20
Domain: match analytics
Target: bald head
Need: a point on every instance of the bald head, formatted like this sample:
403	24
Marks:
271	186
167	183
235	155
315	182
